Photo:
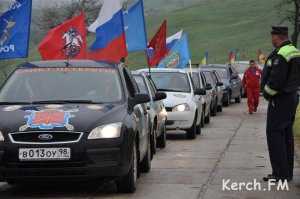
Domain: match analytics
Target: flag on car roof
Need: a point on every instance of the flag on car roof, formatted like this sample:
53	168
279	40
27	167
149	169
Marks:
157	48
179	53
204	60
15	30
110	43
66	41
232	57
135	27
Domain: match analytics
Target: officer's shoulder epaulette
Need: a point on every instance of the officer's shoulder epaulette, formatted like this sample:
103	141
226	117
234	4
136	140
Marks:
289	52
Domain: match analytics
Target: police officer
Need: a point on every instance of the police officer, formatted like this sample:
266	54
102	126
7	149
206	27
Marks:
280	82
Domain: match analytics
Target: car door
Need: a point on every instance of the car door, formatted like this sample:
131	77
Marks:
140	114
197	98
208	96
234	81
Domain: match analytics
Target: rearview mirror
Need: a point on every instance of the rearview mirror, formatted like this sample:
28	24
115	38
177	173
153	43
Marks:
160	96
200	92
208	86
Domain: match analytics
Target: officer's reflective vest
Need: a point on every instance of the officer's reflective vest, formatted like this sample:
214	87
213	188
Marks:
292	55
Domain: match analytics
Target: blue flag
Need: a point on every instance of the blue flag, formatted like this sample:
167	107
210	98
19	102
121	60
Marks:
179	54
15	30
135	27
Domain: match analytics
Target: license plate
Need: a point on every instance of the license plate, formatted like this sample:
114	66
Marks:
41	154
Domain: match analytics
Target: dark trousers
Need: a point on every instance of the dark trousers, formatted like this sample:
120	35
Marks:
280	120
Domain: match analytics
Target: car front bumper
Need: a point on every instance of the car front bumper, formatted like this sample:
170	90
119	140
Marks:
99	160
180	120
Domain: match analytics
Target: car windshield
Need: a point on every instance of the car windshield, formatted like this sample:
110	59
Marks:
171	81
41	85
141	84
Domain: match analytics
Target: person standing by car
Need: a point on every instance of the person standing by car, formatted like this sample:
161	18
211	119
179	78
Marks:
251	81
280	82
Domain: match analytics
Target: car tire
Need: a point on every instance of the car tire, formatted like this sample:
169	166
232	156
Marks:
203	117
128	183
153	141
238	99
220	108
214	109
226	103
145	165
162	139
192	132
207	118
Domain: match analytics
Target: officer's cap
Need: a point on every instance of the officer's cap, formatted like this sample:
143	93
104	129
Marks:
280	30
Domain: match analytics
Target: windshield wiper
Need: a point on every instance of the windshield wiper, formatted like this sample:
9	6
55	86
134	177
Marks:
15	103
65	102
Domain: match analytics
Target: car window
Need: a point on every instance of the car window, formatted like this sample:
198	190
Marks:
171	81
57	84
131	85
222	73
151	88
196	80
209	78
141	84
203	79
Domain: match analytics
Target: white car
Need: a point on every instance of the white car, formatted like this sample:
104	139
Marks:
183	106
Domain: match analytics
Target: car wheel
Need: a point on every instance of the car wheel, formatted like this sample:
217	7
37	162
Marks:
220	108
146	162
203	117
153	142
128	183
162	139
227	101
192	132
214	109
238	99
207	118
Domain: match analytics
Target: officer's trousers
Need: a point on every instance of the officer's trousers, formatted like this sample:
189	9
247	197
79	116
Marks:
280	120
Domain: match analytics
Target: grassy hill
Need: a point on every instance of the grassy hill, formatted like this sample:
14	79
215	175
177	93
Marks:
213	25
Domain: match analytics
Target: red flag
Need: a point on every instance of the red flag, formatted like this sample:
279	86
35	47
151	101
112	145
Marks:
157	48
66	41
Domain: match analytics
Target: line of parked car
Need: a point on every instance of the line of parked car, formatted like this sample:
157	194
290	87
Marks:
84	120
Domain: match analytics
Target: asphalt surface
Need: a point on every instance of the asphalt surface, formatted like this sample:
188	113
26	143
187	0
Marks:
233	147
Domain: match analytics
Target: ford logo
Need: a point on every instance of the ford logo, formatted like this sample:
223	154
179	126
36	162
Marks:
45	137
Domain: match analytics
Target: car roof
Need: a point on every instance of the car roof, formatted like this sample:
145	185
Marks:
212	66
170	70
68	63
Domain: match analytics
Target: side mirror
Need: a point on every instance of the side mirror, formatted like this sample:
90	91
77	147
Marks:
200	92
141	99
160	96
220	84
208	87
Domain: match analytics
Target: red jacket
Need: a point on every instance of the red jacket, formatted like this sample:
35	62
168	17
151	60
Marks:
252	78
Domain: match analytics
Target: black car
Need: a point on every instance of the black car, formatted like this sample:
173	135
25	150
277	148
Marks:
79	120
231	80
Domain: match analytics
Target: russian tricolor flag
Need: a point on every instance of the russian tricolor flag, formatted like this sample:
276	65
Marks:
110	43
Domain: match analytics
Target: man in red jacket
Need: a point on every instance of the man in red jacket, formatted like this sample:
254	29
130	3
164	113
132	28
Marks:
251	83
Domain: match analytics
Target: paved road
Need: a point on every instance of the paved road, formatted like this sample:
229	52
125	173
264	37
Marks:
232	147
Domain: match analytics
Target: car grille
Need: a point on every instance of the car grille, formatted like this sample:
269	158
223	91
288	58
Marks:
34	137
169	109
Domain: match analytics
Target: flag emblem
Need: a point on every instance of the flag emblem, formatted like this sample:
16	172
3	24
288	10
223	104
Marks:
48	119
73	42
6	33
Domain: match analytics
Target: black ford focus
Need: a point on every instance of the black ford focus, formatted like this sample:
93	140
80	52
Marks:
73	120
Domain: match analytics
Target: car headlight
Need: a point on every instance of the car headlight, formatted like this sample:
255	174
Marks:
106	131
1	137
181	108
